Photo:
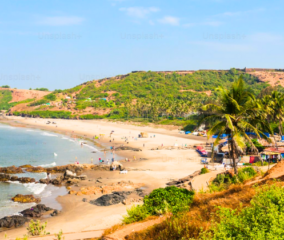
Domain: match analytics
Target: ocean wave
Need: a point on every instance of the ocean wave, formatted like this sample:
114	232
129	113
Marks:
48	165
29	130
91	147
49	134
35	188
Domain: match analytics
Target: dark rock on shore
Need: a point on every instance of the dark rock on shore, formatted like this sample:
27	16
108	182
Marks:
36	169
4	177
26	166
111	199
13	221
44	181
11	170
128	148
57	181
100	167
36	211
26	180
25	199
55	213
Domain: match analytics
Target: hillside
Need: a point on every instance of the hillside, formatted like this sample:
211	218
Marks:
10	97
144	94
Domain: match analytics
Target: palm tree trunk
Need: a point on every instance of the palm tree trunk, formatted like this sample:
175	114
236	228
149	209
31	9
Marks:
233	157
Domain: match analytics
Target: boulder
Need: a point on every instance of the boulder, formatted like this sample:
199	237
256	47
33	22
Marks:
25	199
82	177
4	177
11	170
57	181
68	174
128	148
72	181
14	178
55	213
26	166
36	211
111	199
36	169
13	221
44	181
26	180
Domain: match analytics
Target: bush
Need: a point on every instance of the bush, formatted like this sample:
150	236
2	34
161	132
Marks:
50	97
204	170
262	220
135	214
259	164
35	228
91	116
173	198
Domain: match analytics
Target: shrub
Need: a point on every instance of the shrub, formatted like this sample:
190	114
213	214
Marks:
35	228
135	214
204	170
259	164
262	220
176	199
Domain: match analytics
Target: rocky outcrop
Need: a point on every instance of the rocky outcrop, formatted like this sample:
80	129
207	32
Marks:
185	179
57	181
36	169
13	221
117	166
26	180
36	211
111	199
44	181
26	166
78	169
11	170
128	148
4	177
25	199
100	167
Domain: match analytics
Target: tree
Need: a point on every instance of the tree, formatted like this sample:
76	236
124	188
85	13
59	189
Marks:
233	113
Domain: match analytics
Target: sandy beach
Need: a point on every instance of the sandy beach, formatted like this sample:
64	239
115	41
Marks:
154	166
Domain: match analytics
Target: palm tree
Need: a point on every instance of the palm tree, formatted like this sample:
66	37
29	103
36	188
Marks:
277	106
233	114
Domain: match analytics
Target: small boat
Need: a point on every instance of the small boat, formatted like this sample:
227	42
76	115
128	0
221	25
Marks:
55	155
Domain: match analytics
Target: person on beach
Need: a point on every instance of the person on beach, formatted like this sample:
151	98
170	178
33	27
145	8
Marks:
48	177
107	162
134	158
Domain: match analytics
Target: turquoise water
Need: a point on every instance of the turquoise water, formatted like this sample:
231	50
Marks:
19	146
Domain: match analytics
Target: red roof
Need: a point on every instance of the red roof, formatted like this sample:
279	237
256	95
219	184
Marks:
273	149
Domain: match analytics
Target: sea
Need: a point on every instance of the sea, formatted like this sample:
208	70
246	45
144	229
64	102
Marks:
19	146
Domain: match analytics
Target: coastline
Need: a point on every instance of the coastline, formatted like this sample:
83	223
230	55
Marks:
155	169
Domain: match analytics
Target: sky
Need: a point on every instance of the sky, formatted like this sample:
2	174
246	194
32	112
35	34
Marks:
61	44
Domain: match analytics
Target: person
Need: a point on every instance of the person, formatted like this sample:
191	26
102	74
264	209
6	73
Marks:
143	144
112	159
91	160
134	158
107	162
48	177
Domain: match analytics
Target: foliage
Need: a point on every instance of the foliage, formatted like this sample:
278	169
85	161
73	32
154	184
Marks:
91	116
223	181
60	235
51	97
262	220
5	86
39	102
259	164
45	114
135	214
23	238
5	98
176	199
35	228
204	170
41	89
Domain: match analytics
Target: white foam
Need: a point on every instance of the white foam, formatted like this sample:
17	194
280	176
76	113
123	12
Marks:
48	165
29	130
49	134
35	188
91	147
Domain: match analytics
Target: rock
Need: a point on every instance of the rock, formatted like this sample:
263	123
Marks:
26	166
72	181
4	177
82	177
36	169
11	170
14	178
13	221
85	200
25	199
100	167
36	211
57	181
111	199
72	192
55	213
26	180
128	148
69	174
44	181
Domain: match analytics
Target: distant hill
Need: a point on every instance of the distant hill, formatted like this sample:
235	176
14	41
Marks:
115	94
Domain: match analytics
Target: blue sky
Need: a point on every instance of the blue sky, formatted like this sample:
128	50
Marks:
60	44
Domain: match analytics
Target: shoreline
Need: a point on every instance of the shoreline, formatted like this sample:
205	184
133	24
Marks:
155	168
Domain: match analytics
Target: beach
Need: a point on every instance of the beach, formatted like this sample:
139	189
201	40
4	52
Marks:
153	167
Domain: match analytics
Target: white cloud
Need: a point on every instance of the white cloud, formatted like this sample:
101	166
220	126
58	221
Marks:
139	12
174	21
61	20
